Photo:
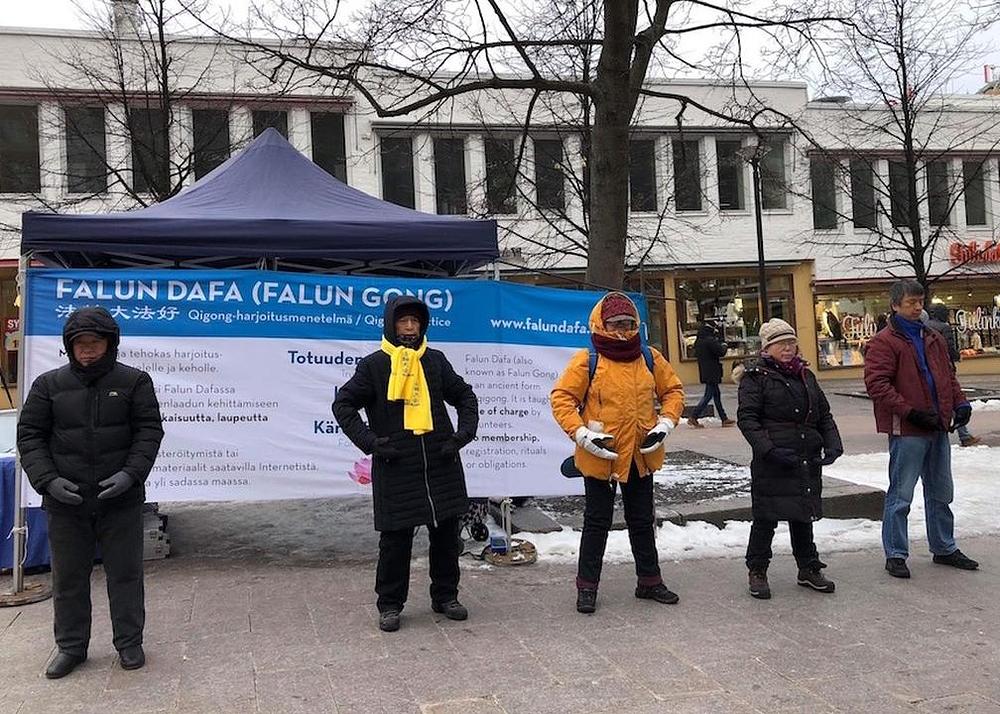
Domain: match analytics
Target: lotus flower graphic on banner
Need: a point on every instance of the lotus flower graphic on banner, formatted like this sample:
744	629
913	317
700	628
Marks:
361	474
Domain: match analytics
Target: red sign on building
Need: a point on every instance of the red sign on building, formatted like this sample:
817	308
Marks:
974	252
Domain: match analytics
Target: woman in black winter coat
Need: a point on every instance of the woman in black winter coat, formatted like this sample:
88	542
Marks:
417	476
786	418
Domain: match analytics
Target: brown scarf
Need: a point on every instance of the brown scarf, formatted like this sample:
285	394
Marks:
615	349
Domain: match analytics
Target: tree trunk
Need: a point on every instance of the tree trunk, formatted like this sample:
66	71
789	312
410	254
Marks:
609	148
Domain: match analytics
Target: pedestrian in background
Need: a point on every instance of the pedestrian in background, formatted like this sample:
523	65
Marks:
710	349
88	435
786	418
417	474
936	318
611	414
916	395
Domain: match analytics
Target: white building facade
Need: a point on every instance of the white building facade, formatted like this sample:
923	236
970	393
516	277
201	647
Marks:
692	235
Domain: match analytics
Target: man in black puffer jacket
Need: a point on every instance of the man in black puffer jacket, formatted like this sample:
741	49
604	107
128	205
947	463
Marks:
88	435
417	476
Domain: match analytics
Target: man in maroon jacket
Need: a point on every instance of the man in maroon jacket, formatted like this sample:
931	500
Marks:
917	401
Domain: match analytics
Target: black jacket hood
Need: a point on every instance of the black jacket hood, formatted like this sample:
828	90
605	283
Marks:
394	306
91	319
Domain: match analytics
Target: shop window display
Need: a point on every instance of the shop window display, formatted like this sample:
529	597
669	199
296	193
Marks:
975	314
844	324
732	303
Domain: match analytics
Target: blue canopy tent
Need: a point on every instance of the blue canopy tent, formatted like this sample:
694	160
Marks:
267	205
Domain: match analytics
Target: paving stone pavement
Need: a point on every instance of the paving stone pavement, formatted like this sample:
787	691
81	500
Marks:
249	636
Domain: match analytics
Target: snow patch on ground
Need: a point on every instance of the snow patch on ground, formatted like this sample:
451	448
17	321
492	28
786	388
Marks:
990	405
976	484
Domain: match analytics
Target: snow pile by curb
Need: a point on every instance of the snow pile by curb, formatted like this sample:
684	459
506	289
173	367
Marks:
976	485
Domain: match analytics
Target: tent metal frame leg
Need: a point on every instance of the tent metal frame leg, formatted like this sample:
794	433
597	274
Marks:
21	593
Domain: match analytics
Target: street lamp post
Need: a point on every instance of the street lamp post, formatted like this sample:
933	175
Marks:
752	153
765	311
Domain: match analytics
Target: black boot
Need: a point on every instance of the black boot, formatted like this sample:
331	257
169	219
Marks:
388	621
814	578
586	600
956	559
896	567
453	610
62	664
132	657
660	592
759	587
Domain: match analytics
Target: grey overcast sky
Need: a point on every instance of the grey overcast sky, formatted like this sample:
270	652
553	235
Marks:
63	14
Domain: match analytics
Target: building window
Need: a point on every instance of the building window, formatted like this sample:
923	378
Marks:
899	194
938	193
844	324
730	168
449	176
733	303
264	119
86	151
862	194
328	145
550	182
397	171
150	151
211	139
687	175
974	191
642	175
501	176
20	170
824	193
773	189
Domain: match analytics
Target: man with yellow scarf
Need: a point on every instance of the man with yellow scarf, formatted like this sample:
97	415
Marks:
417	476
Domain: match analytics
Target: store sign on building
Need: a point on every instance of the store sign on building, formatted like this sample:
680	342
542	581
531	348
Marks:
11	333
974	252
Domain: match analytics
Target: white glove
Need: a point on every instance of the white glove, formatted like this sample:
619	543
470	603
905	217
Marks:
588	440
657	435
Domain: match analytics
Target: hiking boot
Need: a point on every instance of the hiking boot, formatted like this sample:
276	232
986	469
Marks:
814	578
728	422
971	441
388	621
693	422
453	609
896	567
956	559
586	600
759	587
660	592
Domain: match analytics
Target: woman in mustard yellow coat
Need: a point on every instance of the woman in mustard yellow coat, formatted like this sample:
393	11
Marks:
620	436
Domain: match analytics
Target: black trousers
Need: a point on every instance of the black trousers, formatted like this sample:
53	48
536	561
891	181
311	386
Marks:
392	578
637	498
762	533
72	540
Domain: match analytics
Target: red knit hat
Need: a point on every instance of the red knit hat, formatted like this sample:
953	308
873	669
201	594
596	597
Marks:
615	305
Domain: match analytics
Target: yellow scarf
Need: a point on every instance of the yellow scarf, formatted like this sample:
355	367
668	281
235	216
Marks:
407	382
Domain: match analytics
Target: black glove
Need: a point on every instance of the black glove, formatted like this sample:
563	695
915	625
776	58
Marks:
829	456
384	450
784	456
451	445
962	415
115	485
925	420
64	491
